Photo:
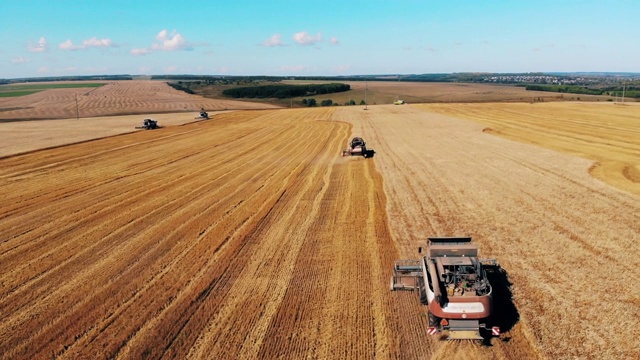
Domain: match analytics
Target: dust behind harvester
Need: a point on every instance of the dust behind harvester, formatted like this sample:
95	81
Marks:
453	283
358	147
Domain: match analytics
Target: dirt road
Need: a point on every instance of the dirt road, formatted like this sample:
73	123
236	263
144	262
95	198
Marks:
249	237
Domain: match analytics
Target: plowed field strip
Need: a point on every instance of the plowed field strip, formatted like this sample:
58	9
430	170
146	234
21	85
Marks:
551	226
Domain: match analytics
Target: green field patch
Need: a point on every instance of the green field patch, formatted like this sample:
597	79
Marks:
26	89
17	93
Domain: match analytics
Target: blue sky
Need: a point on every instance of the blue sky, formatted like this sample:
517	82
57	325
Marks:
287	37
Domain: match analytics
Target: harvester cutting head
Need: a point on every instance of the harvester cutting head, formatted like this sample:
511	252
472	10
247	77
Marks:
358	147
149	124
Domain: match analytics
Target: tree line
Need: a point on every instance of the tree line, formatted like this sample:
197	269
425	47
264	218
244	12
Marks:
178	86
630	91
328	102
283	91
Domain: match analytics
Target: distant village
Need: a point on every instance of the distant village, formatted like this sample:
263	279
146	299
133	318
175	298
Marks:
554	80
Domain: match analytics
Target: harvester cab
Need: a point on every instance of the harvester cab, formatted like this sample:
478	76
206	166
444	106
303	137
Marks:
358	147
149	124
452	281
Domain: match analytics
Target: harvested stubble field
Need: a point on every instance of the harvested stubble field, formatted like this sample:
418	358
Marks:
606	133
385	92
25	136
249	237
114	98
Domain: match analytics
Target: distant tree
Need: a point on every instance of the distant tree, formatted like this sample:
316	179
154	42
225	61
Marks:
326	102
304	101
311	102
362	102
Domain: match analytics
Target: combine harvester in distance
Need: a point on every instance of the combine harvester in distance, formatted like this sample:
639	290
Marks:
398	102
149	124
358	147
452	282
203	115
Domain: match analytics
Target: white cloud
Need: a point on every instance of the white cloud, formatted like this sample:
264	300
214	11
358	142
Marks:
20	60
40	46
334	41
162	35
89	43
166	42
68	45
95	42
171	68
274	40
303	38
171	42
43	70
140	51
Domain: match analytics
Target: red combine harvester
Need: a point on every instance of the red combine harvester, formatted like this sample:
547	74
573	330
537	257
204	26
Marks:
358	147
453	283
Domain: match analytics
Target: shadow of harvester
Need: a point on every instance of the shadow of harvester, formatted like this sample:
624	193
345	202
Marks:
504	314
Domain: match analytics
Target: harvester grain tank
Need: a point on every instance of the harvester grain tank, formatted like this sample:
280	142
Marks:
452	282
358	147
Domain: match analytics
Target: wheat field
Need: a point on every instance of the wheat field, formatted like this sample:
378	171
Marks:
606	133
249	236
114	98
